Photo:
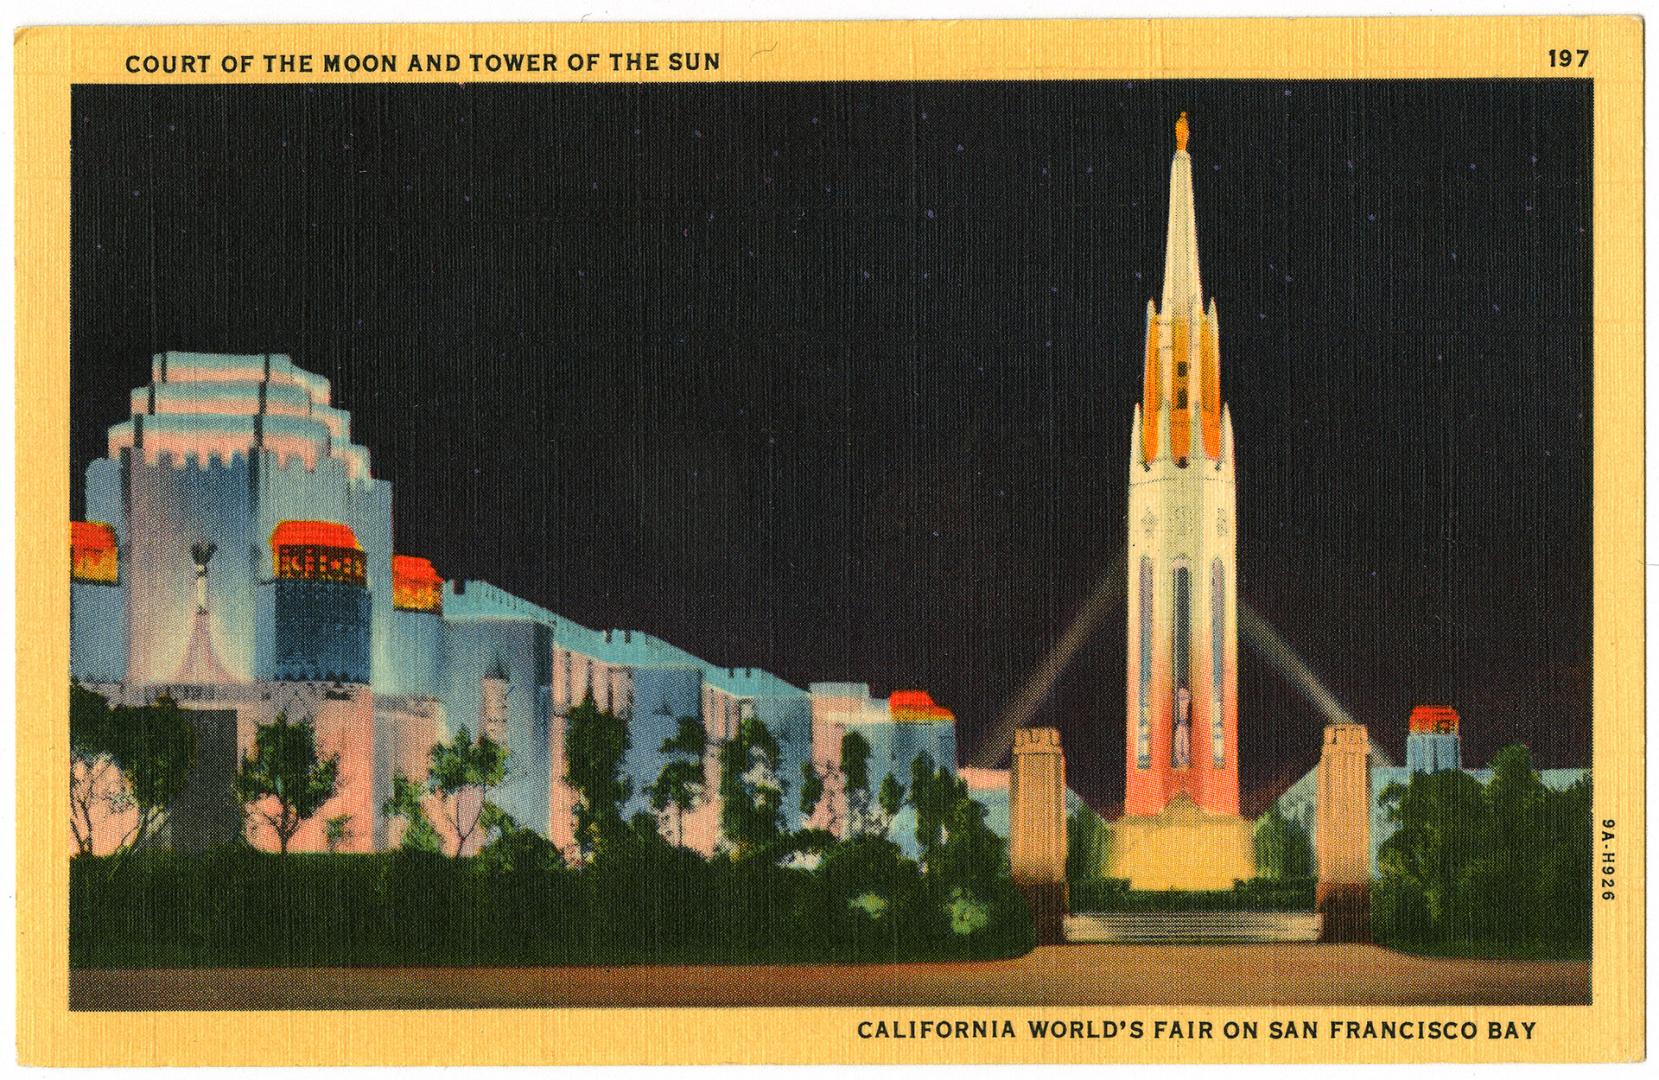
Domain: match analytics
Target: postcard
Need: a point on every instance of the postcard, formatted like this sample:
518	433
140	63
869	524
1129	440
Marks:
910	542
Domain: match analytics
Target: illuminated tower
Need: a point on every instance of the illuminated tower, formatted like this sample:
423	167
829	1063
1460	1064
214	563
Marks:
1183	613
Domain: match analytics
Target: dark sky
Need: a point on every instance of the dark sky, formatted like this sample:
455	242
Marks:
837	379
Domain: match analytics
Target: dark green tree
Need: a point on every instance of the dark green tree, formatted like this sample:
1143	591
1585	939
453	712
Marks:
751	793
283	771
855	770
812	788
95	781
511	849
596	744
461	773
155	747
336	832
1502	867
1283	849
1442	823
1515	802
972	856
680	783
890	798
931	791
408	803
1088	849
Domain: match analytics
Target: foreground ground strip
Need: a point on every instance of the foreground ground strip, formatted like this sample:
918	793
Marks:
1069	975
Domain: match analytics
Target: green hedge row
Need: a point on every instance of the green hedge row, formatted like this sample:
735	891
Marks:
1261	894
239	908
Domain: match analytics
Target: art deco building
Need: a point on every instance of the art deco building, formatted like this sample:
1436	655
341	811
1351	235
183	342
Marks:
1182	708
238	558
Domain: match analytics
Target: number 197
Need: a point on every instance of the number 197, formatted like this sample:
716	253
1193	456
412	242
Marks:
1566	58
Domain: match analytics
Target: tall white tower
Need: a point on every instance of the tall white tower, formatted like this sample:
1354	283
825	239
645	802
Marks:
1183	610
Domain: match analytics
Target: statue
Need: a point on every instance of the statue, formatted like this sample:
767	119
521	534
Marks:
1183	727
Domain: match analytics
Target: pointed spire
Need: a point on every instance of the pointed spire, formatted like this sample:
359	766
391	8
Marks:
1137	441
1226	440
1152	389
1182	290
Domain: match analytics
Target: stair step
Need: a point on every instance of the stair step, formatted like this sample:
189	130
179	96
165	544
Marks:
1179	926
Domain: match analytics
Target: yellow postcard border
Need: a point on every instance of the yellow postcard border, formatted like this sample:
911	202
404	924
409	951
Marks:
49	60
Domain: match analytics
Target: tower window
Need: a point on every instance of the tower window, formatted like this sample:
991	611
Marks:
1218	631
1181	711
1143	725
1181	368
1181	399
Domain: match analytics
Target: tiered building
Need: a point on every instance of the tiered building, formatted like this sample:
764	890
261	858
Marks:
238	557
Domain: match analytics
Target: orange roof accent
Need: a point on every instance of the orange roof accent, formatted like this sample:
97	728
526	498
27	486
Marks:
318	533
91	534
1434	718
1183	131
414	570
93	553
916	706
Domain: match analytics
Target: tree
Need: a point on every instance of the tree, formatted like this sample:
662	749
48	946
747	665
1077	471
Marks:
931	789
513	849
891	800
751	795
1441	819
406	802
95	779
855	769
461	773
971	855
1283	849
336	831
1502	866
1514	801
155	746
681	781
596	744
283	768
812	788
1088	849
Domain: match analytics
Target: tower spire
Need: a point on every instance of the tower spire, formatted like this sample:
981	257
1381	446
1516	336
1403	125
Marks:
1182	292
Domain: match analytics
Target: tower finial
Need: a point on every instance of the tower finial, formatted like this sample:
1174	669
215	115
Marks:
1182	130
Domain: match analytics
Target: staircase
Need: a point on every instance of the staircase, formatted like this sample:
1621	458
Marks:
1186	927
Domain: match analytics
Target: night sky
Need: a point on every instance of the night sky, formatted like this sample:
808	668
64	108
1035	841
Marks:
837	379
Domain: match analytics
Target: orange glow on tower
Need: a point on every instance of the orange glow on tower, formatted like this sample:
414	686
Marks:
1180	420
94	556
319	551
1434	719
416	585
916	707
1209	381
1183	341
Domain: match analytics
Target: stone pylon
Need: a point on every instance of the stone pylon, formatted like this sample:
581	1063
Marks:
1343	834
1037	828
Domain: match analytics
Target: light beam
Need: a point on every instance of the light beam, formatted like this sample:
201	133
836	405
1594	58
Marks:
1107	592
